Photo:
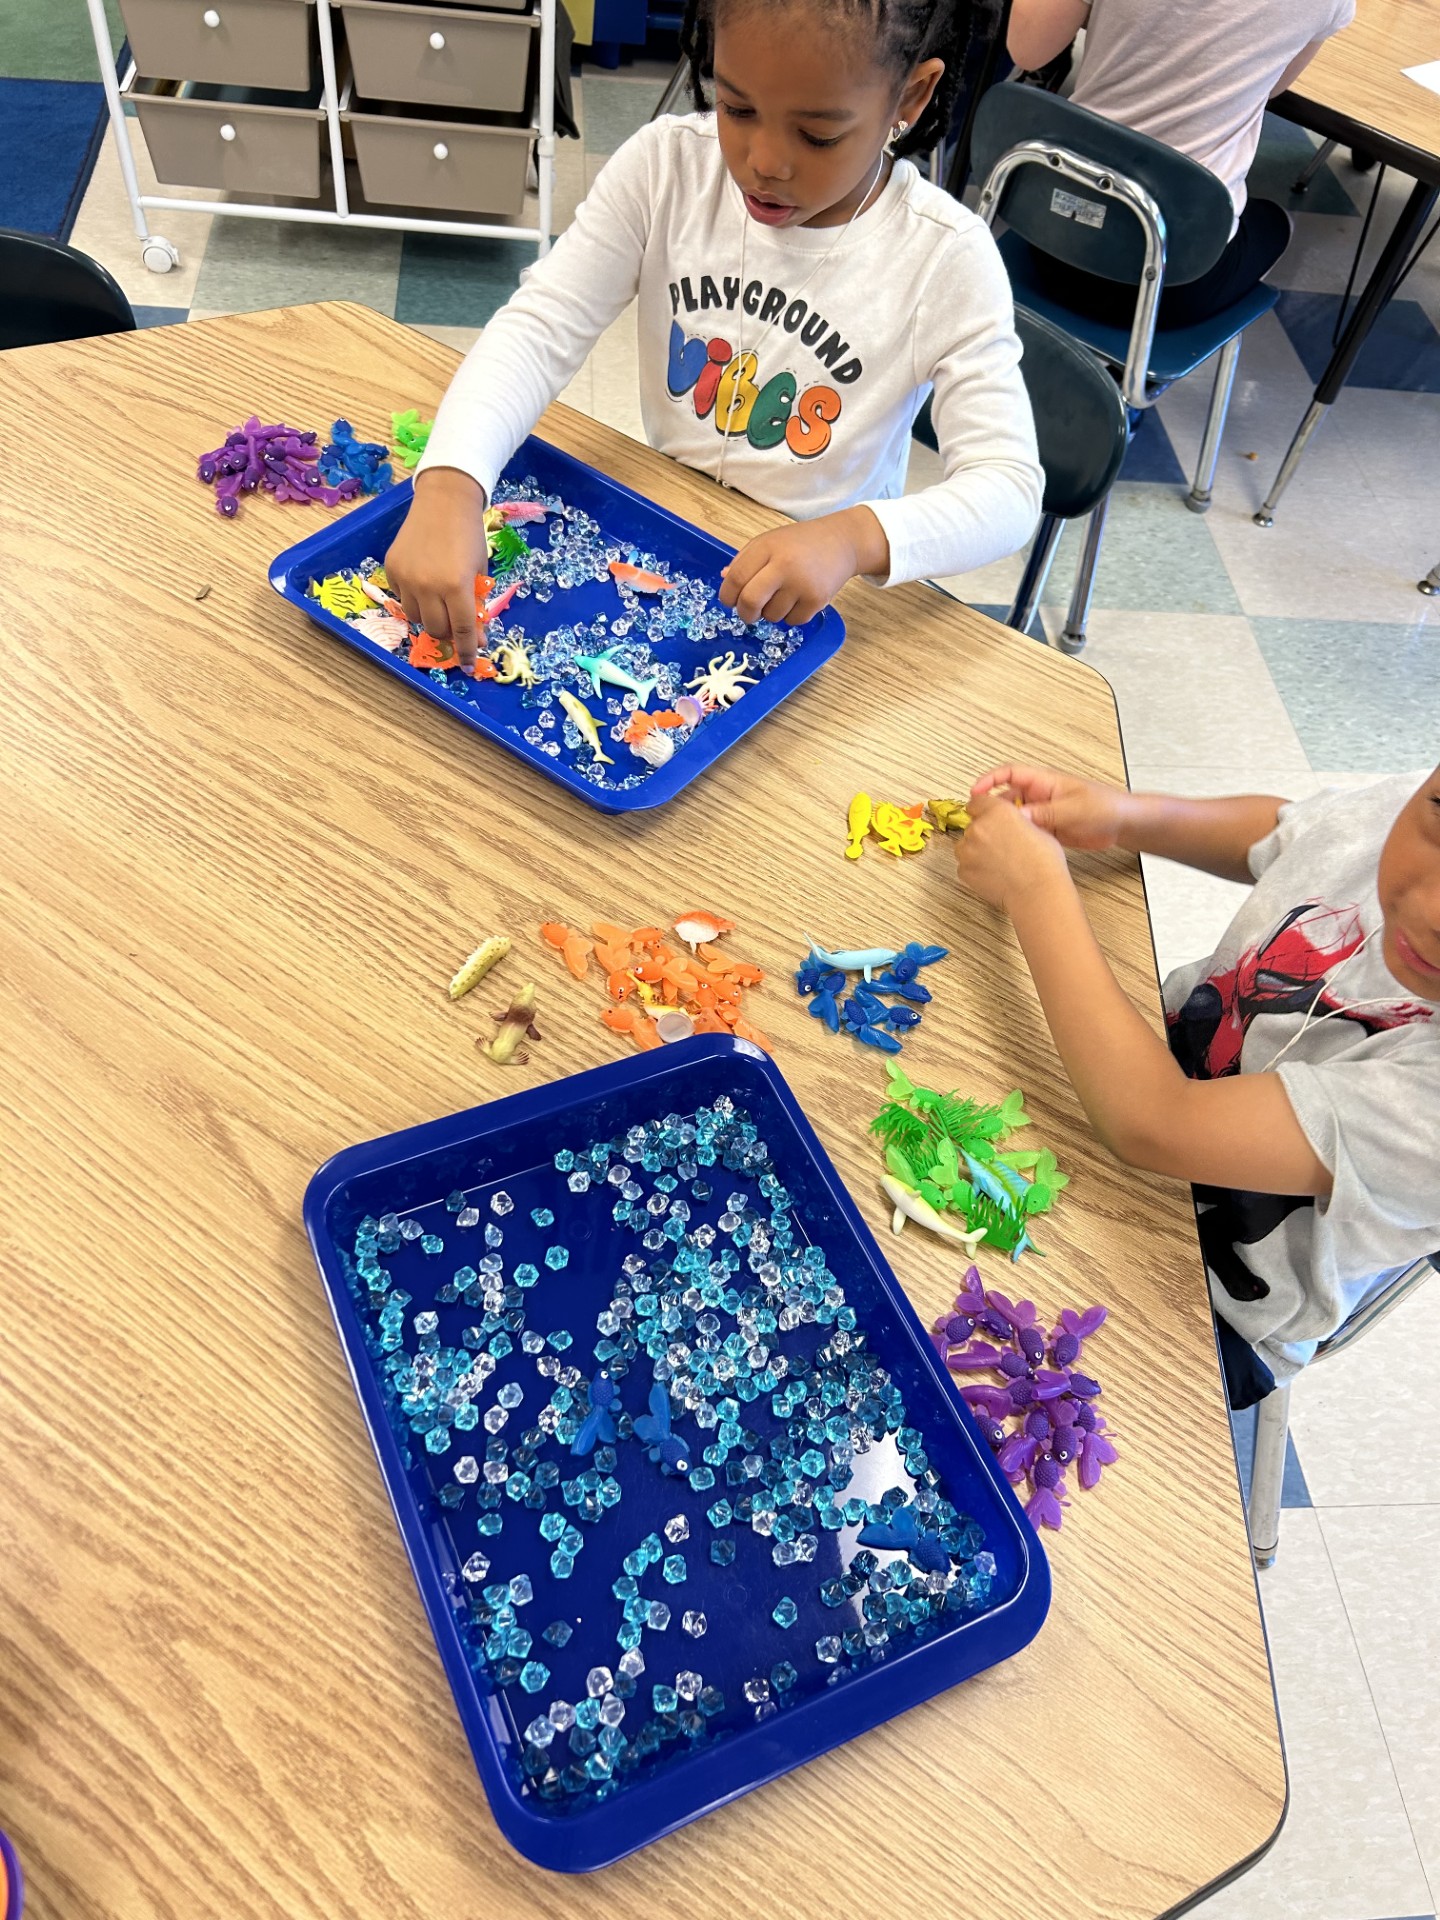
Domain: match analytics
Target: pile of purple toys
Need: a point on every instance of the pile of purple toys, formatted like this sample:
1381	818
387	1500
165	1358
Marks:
1039	1420
282	460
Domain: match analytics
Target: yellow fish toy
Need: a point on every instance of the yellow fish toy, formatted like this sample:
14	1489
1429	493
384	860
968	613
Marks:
585	721
858	825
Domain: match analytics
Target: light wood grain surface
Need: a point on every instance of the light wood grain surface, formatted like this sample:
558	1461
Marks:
238	867
1359	75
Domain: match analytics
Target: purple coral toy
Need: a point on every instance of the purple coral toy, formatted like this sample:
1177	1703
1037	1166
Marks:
281	459
1053	1407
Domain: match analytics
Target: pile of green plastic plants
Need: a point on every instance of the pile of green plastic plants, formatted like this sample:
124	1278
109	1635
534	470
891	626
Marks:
952	1152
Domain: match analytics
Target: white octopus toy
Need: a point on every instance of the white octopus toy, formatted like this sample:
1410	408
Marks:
723	683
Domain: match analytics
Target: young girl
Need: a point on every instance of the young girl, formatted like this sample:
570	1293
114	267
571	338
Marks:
800	292
1300	1092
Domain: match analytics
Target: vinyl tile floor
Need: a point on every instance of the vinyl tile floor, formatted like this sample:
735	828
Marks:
1241	659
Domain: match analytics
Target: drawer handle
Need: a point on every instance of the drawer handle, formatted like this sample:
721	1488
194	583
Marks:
437	41
227	132
442	152
210	17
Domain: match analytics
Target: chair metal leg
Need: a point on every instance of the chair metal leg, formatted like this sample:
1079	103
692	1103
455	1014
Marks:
1267	1474
1317	160
1072	640
1431	582
675	88
1037	571
1198	498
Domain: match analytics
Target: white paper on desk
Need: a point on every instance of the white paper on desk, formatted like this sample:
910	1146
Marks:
1428	75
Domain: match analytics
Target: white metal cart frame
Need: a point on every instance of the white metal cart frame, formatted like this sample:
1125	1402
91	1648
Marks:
160	254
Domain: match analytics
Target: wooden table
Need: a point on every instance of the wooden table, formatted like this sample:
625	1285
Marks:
238	869
1355	90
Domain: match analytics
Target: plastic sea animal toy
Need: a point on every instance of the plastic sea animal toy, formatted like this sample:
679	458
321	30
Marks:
655	748
410	434
948	815
626	574
362	460
857	825
585	721
864	1015
282	460
722	683
900	829
909	1205
342	594
599	1423
646	977
575	948
902	1534
602	667
636	1022
696	928
512	663
518	510
854	960
379	626
518	1021
490	606
488	954
654	1430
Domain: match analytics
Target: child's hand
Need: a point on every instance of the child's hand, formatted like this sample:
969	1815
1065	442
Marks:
1080	813
436	555
1002	854
793	572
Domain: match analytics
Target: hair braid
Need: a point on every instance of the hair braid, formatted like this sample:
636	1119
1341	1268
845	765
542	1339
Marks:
902	32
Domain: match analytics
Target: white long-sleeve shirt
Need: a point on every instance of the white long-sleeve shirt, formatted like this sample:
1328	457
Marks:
832	338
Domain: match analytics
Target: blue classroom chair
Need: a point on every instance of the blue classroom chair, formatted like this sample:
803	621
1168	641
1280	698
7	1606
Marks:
50	292
1081	432
1095	195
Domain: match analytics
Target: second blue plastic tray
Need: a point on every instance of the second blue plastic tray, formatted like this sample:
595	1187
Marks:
508	1149
496	711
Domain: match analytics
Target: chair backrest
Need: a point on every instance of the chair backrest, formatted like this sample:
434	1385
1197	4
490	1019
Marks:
49	292
1095	228
1080	422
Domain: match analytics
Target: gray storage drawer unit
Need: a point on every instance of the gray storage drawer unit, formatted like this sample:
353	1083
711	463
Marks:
256	145
456	165
237	43
440	56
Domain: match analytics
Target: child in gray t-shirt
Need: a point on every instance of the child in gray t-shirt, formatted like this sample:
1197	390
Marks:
1301	1089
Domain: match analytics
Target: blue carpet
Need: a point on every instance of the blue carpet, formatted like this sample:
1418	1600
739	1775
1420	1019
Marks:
1401	353
50	132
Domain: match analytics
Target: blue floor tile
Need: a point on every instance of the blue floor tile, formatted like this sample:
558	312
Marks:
1293	1490
1362	696
159	316
447	281
1150	455
1401	355
1284	152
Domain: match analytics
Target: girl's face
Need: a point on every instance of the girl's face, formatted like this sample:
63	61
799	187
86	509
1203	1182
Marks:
803	111
1409	889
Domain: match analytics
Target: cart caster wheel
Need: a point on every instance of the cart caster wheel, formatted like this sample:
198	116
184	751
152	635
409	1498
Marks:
159	254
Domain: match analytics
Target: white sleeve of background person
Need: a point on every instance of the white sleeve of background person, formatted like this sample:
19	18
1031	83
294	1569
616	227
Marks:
962	338
535	345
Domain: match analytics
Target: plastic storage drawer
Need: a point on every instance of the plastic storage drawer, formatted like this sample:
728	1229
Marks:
237	140
456	165
237	43
440	57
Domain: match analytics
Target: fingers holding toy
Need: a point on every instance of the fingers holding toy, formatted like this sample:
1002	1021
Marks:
1003	854
436	555
1080	813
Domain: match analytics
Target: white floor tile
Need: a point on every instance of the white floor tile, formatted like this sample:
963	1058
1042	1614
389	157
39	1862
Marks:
1358	1444
1387	1563
105	228
1346	1851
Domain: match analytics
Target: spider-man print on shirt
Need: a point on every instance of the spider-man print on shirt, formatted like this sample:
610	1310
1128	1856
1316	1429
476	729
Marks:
1280	976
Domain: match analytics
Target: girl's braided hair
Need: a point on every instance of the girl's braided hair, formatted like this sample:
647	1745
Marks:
902	32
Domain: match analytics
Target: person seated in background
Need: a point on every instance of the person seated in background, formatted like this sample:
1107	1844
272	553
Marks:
1197	77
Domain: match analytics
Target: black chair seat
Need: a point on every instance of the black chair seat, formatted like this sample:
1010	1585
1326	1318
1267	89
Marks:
52	292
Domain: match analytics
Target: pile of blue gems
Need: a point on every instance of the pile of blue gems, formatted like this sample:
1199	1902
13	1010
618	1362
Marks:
861	1012
729	1387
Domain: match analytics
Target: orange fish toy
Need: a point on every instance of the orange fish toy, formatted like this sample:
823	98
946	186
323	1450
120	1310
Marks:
625	573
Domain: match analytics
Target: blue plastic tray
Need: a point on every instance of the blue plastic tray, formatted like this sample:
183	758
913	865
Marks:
494	710
509	1145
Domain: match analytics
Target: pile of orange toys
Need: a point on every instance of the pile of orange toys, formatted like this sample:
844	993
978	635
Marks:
665	985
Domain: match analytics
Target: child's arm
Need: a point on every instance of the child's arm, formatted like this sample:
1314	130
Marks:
526	356
1237	1132
1039	30
1214	835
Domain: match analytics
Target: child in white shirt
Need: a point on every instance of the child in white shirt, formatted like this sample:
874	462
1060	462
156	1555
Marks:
800	291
